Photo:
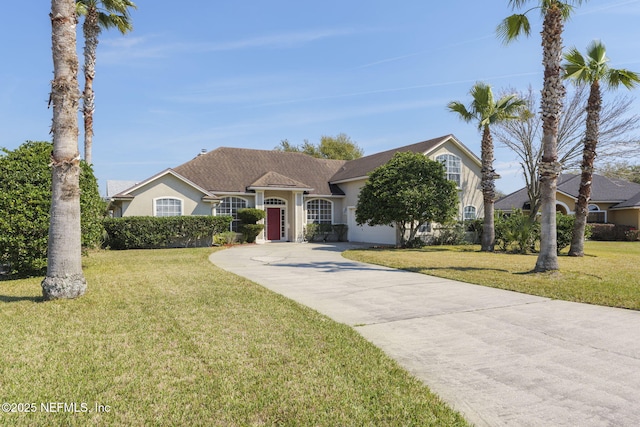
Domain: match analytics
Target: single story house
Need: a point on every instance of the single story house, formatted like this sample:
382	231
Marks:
293	188
613	201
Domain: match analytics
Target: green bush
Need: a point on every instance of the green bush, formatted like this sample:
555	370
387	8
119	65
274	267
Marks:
325	232
248	218
449	234
516	233
25	201
251	231
251	215
147	232
564	226
226	238
311	231
613	232
341	231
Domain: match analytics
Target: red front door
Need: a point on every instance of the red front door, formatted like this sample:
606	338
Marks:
273	224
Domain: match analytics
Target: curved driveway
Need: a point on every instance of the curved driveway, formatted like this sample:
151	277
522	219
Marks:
499	357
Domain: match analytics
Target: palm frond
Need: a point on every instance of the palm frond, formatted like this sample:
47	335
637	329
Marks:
617	77
597	52
512	27
461	109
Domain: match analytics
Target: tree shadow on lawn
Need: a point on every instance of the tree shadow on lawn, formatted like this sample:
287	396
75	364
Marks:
13	298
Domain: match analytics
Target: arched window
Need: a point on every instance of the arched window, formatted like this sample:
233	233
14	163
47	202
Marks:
596	215
230	206
319	211
167	206
469	213
452	165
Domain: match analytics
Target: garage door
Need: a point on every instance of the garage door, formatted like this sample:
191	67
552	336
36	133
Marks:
381	234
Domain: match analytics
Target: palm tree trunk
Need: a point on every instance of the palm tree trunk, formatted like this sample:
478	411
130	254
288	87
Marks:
90	29
64	277
488	192
588	158
551	106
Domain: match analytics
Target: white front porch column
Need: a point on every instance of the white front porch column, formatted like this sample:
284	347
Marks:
298	217
261	238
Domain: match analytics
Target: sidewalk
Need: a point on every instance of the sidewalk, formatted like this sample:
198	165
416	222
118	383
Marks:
499	357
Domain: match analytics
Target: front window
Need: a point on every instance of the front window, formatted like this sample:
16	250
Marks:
452	166
595	215
319	211
168	207
230	207
469	213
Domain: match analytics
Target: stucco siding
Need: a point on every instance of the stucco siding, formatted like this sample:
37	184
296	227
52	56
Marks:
469	193
166	186
630	217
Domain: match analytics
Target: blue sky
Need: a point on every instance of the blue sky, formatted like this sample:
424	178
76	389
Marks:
251	74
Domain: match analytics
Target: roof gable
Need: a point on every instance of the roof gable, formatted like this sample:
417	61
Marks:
360	168
127	194
274	180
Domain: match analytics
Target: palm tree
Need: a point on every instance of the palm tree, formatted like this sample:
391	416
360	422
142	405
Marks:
555	12
487	111
591	70
98	14
64	278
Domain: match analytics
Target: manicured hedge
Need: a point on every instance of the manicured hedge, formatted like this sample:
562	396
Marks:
147	232
613	232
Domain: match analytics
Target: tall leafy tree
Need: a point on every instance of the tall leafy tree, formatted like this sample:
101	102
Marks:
407	192
486	111
591	70
555	13
339	147
64	278
98	15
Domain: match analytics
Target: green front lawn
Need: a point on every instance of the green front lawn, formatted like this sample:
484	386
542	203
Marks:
166	338
609	274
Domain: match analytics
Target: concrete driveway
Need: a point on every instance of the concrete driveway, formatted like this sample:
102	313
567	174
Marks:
499	357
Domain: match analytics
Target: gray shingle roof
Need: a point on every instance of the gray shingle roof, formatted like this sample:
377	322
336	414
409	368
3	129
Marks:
361	167
603	189
234	169
114	187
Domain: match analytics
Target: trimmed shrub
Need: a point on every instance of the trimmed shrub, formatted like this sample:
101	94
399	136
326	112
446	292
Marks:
325	232
148	232
226	238
248	218
613	232
341	231
251	215
251	231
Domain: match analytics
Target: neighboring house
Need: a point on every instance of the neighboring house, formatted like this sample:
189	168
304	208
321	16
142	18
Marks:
293	188
613	201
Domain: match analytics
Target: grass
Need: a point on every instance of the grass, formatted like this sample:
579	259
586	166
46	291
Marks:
166	338
607	275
